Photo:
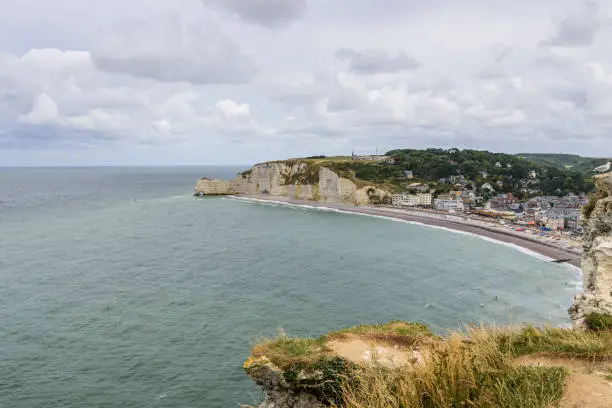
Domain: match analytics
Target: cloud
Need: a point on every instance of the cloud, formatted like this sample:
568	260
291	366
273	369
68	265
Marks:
57	97
173	50
193	77
228	109
44	110
375	61
271	13
577	28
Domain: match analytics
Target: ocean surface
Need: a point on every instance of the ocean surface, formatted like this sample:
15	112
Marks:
119	289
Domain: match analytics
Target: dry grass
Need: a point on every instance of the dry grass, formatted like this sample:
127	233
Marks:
476	368
471	368
582	344
396	332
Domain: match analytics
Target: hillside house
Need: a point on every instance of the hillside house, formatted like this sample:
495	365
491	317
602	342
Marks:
487	186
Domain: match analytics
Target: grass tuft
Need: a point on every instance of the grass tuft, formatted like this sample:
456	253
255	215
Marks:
599	322
572	343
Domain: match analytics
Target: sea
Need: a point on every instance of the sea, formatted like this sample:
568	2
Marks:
120	289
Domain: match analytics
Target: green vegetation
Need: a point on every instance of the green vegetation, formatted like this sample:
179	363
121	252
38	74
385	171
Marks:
396	332
308	175
570	343
440	170
477	367
587	210
564	161
512	171
599	322
287	352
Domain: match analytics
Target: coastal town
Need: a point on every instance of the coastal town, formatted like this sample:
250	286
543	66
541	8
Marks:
485	197
548	213
532	200
551	219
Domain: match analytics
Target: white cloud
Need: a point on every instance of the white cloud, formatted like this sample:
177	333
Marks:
229	109
187	75
373	61
273	13
64	98
173	49
44	111
577	28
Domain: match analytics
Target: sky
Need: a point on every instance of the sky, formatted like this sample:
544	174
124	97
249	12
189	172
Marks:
210	82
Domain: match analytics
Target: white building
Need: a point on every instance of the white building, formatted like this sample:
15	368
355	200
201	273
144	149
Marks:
411	200
469	194
498	164
532	174
555	223
448	205
487	186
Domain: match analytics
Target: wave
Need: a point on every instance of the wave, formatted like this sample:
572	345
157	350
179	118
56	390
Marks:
578	283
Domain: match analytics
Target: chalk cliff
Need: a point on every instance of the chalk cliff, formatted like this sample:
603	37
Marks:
597	256
295	179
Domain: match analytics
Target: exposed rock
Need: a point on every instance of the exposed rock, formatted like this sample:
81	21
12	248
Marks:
206	186
278	393
293	179
596	257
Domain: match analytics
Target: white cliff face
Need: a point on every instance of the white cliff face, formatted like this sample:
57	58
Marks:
212	187
597	257
292	179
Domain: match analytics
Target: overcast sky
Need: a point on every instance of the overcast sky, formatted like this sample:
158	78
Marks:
164	82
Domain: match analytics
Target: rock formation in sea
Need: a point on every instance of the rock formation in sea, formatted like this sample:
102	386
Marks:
596	256
294	179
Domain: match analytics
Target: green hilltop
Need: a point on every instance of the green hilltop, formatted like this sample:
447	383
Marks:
444	170
564	161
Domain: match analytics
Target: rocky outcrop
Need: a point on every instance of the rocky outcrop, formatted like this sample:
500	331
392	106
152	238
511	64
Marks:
206	186
597	256
294	179
278	393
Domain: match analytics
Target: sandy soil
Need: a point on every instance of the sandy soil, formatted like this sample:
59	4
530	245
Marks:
584	390
362	351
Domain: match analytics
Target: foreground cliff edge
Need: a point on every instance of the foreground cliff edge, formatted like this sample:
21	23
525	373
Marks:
596	256
305	179
402	364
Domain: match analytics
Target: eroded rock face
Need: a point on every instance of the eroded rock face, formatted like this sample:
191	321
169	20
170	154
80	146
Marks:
596	257
278	393
295	180
206	186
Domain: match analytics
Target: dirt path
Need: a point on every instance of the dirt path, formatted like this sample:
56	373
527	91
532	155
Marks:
587	385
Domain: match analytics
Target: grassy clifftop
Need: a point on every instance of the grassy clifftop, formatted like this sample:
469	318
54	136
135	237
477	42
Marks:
344	166
402	364
441	168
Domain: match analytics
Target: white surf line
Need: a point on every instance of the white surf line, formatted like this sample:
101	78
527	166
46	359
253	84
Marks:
511	245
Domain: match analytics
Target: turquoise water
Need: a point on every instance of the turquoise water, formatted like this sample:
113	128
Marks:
118	289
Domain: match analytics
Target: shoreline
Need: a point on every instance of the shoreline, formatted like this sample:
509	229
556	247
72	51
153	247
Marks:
480	228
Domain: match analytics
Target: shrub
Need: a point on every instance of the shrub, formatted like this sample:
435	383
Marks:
599	322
